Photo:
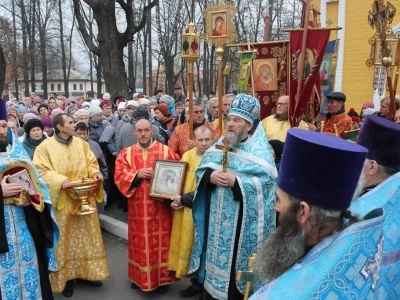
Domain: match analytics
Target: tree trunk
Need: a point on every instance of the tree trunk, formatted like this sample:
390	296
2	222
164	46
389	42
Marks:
25	53
111	51
131	77
32	44
2	71
98	77
150	91
63	58
15	66
169	75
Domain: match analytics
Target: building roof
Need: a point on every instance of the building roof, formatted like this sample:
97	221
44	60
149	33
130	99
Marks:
57	75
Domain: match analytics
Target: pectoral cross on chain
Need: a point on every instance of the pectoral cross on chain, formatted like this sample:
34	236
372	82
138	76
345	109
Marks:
247	276
225	148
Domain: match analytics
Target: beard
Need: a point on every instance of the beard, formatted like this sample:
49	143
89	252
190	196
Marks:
361	185
282	250
3	143
236	138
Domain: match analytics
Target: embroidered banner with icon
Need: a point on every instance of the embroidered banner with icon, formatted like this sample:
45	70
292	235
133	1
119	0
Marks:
244	72
312	59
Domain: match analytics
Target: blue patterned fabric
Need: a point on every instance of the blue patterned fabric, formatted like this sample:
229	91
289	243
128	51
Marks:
256	174
387	196
19	273
343	266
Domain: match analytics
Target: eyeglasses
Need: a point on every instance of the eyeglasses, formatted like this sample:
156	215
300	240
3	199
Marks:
281	104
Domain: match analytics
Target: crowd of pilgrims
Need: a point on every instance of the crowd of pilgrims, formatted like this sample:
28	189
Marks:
304	181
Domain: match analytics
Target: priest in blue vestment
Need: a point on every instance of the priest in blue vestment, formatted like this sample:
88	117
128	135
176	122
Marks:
28	232
380	187
233	209
319	250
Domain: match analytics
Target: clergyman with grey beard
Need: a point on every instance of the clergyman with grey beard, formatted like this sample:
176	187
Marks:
301	257
380	189
234	206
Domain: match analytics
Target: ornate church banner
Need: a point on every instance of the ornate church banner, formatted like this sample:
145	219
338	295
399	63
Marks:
327	72
270	74
305	104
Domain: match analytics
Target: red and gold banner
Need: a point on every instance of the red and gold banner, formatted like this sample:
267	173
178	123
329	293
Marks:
270	74
305	104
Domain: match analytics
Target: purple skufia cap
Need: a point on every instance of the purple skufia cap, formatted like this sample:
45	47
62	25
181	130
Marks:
3	110
320	169
382	139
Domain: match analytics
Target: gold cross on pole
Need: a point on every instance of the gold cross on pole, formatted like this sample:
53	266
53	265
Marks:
225	148
247	276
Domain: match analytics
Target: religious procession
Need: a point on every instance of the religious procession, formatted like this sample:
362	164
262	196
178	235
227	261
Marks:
274	189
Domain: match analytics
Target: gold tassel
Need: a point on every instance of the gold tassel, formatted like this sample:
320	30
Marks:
333	65
311	16
280	74
227	70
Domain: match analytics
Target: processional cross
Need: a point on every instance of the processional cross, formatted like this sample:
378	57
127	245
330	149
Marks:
225	147
247	276
380	18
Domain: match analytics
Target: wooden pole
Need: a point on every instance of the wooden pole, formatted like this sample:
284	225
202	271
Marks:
392	107
303	50
190	90
220	54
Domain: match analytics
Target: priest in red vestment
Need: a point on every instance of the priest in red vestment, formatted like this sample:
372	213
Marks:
149	220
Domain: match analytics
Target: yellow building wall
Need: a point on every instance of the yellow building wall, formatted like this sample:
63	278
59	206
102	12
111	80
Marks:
357	77
332	10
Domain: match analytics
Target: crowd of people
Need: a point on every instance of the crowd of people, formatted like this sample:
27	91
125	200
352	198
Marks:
315	207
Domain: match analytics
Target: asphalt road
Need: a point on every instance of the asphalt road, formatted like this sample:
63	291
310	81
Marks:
118	285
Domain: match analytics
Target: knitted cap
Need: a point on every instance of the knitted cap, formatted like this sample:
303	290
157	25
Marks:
47	122
81	112
131	103
354	115
55	112
28	116
140	113
95	110
104	103
32	123
368	104
163	108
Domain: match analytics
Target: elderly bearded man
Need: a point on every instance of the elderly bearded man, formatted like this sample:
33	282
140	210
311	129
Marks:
314	253
233	210
183	228
336	115
179	140
277	125
80	251
149	220
380	189
28	231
